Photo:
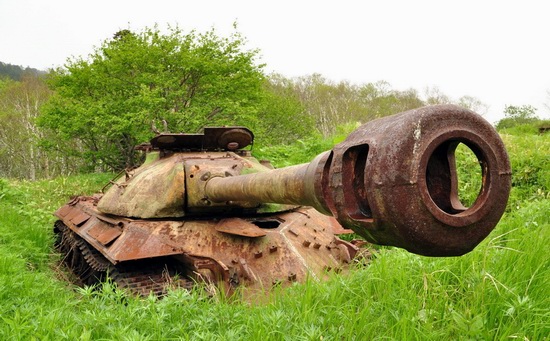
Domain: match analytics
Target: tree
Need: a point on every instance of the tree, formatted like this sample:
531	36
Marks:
16	72
21	155
329	104
517	115
435	96
333	104
380	100
474	104
283	118
109	101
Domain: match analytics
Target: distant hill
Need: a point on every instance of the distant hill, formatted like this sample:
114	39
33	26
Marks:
15	72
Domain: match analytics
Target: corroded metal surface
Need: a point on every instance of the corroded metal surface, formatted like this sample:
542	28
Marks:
141	277
239	227
213	139
405	169
394	181
155	190
256	252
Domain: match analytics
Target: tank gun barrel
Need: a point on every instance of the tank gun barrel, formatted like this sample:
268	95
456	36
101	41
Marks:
287	185
394	181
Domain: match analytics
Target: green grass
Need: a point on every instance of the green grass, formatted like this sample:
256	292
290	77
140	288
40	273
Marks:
499	291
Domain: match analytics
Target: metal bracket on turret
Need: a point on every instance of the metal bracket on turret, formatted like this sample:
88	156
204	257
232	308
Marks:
213	139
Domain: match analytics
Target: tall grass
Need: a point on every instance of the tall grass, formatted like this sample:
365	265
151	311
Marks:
499	291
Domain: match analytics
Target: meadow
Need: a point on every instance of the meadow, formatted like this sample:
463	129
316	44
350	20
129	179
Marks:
499	291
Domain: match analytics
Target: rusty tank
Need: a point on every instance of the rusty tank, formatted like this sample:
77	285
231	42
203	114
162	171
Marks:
202	209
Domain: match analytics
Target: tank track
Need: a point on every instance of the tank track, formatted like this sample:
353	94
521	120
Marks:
142	278
146	277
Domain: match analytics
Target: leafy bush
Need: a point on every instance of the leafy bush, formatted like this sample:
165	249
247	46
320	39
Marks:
4	188
521	129
517	115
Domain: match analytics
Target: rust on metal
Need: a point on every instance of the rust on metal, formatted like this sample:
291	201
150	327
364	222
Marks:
393	181
239	227
63	211
337	228
104	233
211	139
411	198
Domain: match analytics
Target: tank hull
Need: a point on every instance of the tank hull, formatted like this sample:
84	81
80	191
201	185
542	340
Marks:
253	252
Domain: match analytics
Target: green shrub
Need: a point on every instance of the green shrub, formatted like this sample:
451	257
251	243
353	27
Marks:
520	129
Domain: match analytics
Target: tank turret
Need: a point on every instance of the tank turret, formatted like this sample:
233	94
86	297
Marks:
202	206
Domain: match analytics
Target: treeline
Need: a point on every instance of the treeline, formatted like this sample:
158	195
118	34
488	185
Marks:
90	114
332	104
25	147
16	72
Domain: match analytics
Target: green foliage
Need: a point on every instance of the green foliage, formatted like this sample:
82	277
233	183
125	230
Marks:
300	151
525	112
4	188
283	119
543	124
469	175
332	104
516	116
106	104
520	129
303	150
21	155
530	167
188	80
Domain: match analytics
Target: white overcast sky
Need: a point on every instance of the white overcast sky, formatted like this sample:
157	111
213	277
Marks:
497	51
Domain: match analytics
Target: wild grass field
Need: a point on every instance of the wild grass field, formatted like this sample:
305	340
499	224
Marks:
499	291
